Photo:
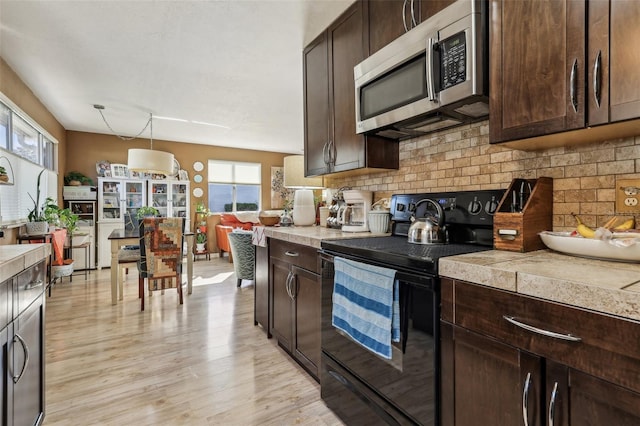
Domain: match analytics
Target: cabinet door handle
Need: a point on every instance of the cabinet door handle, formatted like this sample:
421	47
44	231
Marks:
541	331
525	400
325	153
332	153
294	287
573	86
287	284
413	17
597	78
25	350
404	19
291	253
552	403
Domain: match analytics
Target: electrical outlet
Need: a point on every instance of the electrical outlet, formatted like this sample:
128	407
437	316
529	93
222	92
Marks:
628	196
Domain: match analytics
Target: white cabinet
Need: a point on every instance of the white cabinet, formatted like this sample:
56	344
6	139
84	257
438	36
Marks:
104	245
170	197
119	196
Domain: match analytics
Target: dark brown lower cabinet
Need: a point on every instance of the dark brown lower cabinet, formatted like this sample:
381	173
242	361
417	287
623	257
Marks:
495	373
295	302
261	288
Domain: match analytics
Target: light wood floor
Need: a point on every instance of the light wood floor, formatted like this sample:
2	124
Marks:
203	363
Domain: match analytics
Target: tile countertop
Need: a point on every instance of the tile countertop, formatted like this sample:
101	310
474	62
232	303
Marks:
312	235
603	286
15	258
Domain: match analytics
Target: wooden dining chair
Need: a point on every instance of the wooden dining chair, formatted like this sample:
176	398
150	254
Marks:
160	255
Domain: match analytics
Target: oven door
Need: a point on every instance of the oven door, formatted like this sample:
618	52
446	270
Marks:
402	390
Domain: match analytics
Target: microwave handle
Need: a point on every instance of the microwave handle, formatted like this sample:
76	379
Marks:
430	77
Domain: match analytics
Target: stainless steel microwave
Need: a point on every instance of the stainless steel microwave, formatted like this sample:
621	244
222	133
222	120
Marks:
433	77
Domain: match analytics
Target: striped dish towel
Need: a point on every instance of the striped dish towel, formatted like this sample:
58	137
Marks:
365	305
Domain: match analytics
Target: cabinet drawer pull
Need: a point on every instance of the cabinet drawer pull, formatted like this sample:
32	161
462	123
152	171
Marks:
525	400
291	253
33	284
547	333
552	403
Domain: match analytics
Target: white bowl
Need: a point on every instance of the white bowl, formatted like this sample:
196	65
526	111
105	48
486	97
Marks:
587	247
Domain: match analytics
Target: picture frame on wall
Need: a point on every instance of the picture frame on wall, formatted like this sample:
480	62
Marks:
119	171
102	167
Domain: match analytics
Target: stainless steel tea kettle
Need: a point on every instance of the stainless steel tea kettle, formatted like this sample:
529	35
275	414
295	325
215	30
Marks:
427	230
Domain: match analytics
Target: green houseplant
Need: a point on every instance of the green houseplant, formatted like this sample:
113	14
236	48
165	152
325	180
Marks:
201	240
77	178
146	211
4	177
36	220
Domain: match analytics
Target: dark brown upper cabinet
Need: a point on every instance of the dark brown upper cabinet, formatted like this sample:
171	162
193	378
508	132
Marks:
563	72
331	142
389	19
537	62
613	61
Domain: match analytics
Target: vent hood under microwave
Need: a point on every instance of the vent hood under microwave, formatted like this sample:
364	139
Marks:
431	78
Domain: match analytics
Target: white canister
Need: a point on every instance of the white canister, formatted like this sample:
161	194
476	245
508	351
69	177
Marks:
324	215
378	221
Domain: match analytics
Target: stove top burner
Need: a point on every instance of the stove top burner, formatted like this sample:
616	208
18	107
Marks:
397	252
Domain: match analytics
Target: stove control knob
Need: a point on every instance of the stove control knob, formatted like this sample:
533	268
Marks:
491	206
400	207
475	207
412	207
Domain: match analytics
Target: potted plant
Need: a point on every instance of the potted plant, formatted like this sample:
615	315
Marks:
201	240
201	217
77	179
146	211
4	177
36	221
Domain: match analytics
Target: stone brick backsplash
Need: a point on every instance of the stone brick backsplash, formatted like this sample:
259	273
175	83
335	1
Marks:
462	159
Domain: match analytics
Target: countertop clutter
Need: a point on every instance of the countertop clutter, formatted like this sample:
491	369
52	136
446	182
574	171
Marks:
312	235
603	286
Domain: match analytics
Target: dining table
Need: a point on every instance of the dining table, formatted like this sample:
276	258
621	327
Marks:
123	237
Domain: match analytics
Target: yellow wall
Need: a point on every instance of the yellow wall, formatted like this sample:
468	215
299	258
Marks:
14	88
85	149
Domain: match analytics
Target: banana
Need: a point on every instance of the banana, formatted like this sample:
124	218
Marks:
583	229
627	224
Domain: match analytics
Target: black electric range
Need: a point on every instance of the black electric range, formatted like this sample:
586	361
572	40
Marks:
358	385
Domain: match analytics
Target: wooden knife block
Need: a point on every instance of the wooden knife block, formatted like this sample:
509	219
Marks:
518	231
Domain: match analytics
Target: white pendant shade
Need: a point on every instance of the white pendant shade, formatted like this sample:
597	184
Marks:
150	161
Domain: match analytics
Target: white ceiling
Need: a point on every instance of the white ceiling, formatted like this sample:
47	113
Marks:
233	63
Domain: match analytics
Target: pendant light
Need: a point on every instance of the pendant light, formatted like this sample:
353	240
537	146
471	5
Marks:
148	160
144	160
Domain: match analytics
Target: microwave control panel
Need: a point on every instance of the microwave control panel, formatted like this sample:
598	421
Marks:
453	60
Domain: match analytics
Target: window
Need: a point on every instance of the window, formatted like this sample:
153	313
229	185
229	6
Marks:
25	148
234	186
4	126
25	139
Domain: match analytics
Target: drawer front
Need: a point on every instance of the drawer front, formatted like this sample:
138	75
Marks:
304	257
29	284
608	347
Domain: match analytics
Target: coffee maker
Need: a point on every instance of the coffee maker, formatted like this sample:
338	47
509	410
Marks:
353	215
